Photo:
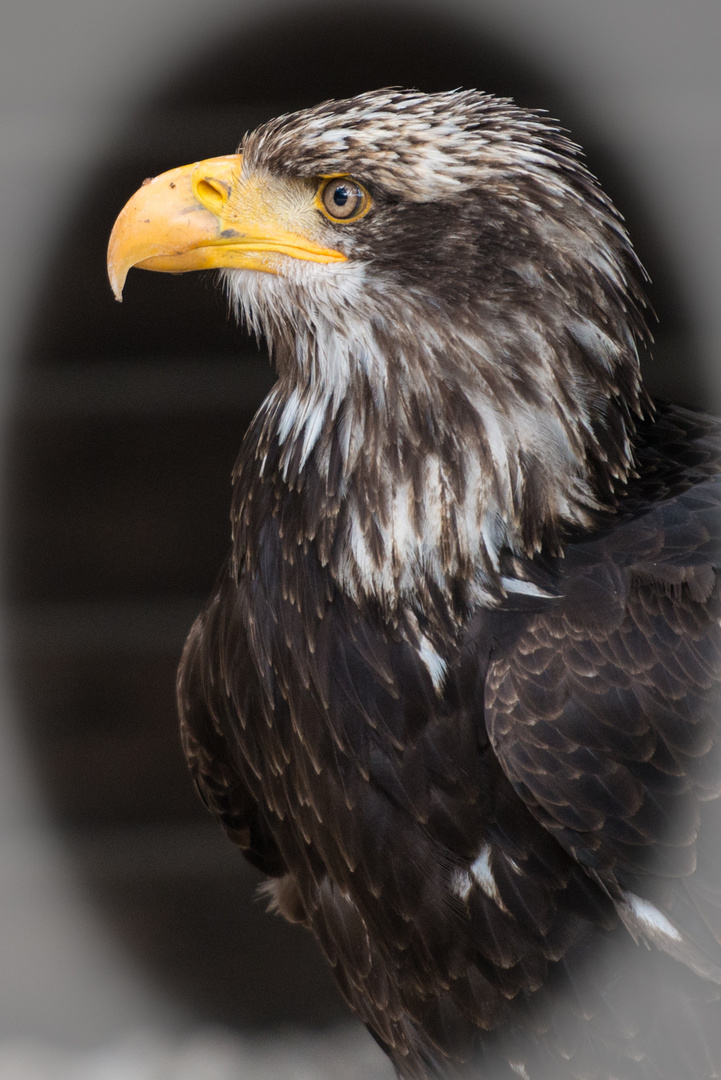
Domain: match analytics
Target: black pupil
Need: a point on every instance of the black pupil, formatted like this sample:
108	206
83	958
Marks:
341	195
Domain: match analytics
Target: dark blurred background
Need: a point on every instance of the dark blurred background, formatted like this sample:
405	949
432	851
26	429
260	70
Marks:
123	423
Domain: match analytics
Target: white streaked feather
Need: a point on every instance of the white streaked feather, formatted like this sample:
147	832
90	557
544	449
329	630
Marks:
480	875
520	1068
648	920
461	884
482	872
647	923
437	666
525	588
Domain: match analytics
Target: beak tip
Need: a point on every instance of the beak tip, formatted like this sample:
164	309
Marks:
117	280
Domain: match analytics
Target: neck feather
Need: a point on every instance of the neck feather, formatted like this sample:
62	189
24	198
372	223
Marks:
432	454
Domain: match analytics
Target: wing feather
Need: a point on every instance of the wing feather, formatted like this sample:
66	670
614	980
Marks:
205	712
603	710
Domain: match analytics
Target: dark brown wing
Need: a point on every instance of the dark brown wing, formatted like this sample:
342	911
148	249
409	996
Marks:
603	710
206	713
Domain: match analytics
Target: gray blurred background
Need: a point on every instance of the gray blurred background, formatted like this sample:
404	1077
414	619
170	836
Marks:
130	944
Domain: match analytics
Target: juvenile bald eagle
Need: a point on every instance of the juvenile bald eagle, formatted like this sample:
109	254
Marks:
456	690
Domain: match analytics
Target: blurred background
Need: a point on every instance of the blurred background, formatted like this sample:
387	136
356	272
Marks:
130	942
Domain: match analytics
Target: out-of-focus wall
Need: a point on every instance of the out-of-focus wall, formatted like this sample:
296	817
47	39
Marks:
645	76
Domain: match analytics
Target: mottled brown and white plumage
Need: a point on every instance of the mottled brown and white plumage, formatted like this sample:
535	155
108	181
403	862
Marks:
456	692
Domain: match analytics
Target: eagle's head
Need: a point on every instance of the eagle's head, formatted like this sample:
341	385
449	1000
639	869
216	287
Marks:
453	306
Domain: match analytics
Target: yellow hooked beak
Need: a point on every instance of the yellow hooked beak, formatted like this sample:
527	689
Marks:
207	215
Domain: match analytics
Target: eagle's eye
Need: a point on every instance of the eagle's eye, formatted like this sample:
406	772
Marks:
343	199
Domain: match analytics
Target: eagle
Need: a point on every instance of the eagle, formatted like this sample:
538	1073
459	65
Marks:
456	691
